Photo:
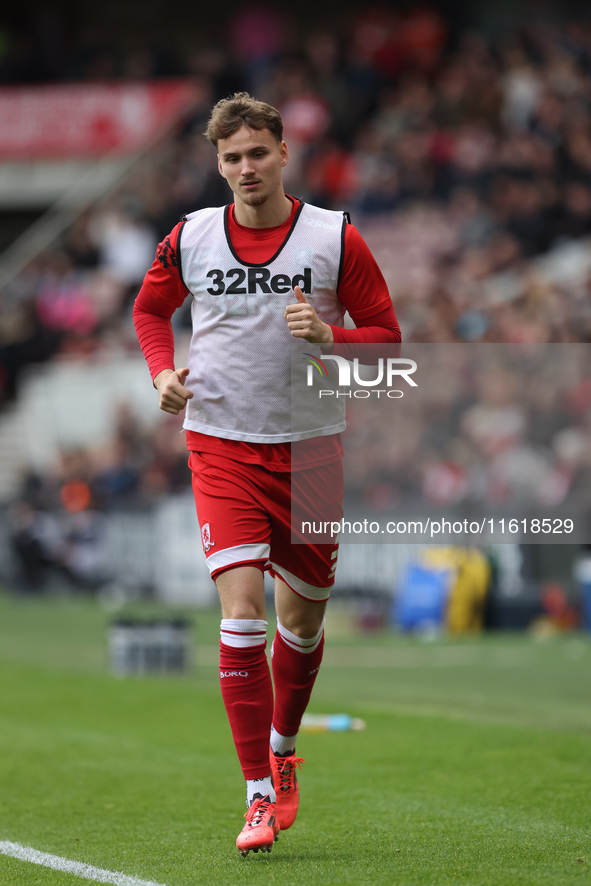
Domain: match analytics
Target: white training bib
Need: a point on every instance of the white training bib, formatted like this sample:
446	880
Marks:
244	364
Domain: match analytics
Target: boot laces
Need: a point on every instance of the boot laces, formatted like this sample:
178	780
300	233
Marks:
286	767
257	811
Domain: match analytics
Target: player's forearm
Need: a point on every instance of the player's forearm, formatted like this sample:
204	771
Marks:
377	326
156	340
368	335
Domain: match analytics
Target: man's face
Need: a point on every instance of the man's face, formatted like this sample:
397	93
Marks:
251	161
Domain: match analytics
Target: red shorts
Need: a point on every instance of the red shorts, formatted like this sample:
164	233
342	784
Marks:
250	515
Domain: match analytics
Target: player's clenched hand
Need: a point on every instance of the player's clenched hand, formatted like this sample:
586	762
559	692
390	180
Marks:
173	394
304	322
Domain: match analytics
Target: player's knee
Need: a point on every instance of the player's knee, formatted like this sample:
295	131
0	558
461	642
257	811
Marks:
241	593
242	609
303	626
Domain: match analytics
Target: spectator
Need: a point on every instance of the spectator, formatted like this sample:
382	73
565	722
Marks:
464	160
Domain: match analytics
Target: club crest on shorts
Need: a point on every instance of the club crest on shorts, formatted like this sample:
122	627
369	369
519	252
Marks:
206	538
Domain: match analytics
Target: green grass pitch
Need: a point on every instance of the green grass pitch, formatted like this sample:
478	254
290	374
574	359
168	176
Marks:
474	768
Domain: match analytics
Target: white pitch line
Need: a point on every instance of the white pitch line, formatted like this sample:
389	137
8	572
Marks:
78	868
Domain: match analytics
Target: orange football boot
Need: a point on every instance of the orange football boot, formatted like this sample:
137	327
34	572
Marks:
283	772
261	828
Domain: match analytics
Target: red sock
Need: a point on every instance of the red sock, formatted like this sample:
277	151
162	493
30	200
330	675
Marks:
247	692
295	666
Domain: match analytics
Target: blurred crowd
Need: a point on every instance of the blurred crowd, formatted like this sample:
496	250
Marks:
464	159
56	525
461	159
489	429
